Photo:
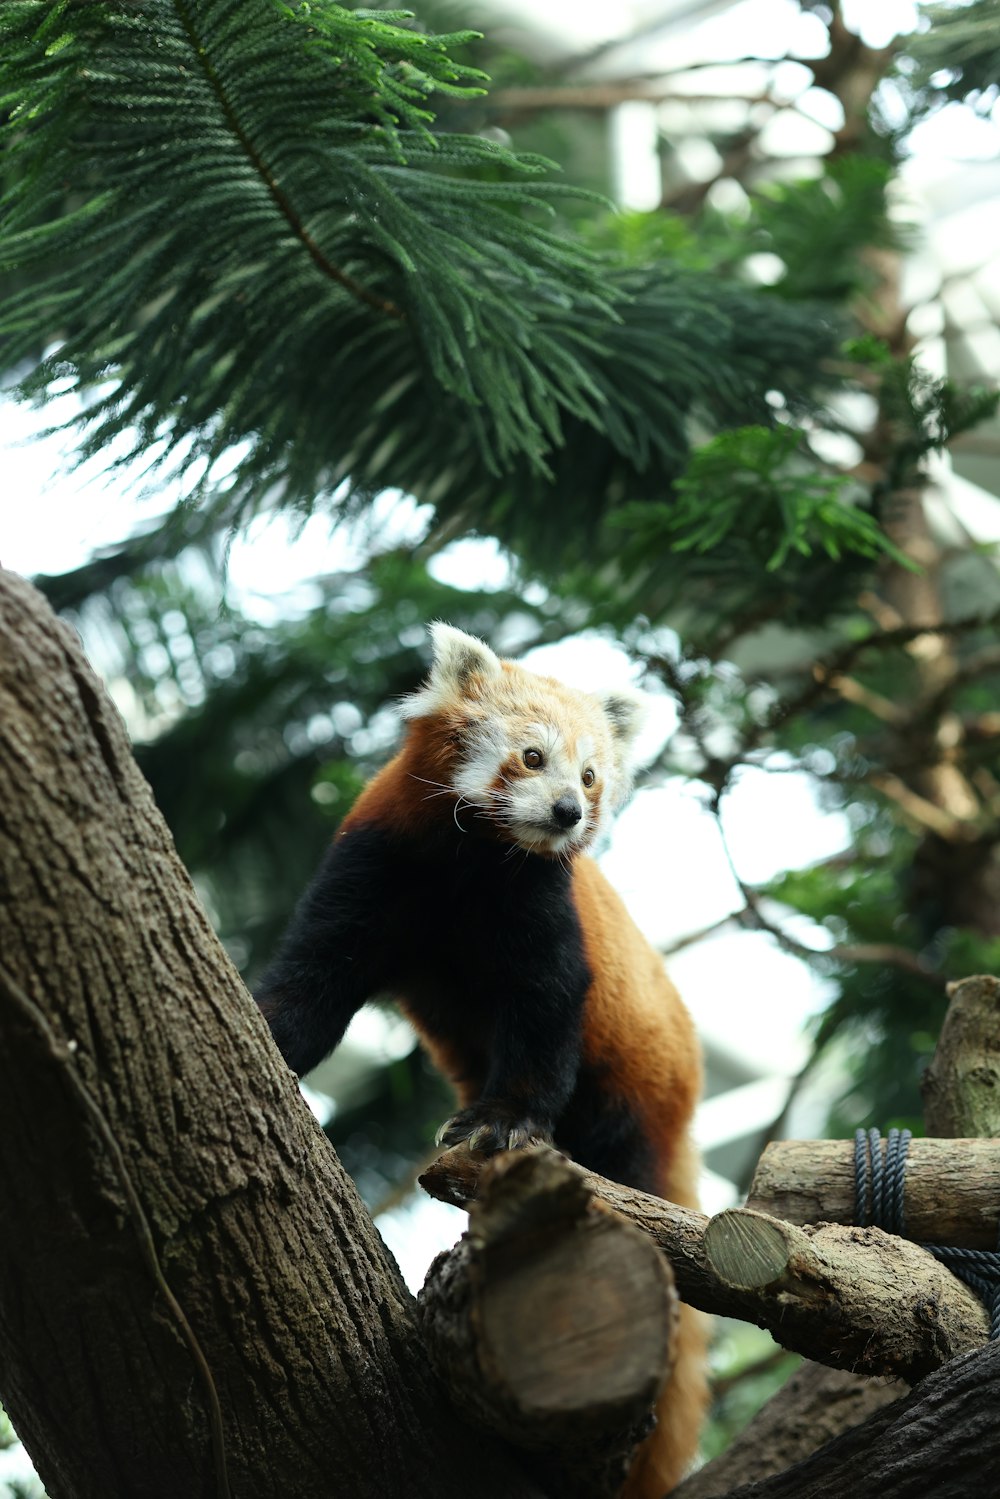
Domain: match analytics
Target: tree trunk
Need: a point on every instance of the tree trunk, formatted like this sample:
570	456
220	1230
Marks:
815	1405
193	1300
961	1087
941	1442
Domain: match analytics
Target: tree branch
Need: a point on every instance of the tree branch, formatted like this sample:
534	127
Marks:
961	1086
552	1323
853	1298
952	1187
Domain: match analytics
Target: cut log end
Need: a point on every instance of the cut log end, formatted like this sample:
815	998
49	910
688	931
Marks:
567	1327
553	1320
746	1249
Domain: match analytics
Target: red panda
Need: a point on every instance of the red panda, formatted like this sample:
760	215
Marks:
459	884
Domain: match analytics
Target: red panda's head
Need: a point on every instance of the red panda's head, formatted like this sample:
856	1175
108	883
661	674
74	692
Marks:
541	764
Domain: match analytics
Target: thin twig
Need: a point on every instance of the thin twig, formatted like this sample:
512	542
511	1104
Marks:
886	954
853	691
604	96
823	677
690	938
982	664
925	814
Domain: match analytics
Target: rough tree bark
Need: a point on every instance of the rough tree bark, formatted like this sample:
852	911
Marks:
961	1087
815	1405
941	1442
193	1300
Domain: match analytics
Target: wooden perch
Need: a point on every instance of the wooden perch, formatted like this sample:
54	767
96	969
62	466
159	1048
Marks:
551	1322
962	1085
920	1447
852	1298
952	1187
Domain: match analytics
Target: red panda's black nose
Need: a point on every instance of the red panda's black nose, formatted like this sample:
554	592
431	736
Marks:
566	811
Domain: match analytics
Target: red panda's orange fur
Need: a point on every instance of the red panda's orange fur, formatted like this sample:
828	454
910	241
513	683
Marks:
635	1030
635	1023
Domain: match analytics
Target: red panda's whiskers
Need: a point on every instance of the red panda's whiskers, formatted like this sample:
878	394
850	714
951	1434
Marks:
460	798
464	801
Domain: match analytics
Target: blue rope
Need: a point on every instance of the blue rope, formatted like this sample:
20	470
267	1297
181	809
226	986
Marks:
879	1189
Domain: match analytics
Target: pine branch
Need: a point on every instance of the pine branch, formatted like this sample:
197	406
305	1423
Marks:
269	269
957	56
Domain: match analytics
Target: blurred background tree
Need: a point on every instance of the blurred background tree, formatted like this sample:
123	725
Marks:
298	271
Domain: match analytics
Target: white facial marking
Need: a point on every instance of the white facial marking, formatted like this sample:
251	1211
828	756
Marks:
494	777
498	711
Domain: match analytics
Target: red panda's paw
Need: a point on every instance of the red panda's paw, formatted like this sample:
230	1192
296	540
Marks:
492	1128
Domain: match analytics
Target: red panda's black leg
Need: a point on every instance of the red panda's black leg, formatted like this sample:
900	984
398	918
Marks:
535	1057
326	967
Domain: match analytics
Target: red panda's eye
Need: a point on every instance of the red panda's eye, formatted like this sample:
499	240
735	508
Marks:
588	777
533	759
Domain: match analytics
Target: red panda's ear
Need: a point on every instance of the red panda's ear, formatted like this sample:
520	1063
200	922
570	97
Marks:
458	658
625	709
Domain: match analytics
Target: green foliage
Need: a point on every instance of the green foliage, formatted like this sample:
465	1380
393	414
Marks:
819	227
302	305
719	242
751	488
390	68
280	261
925	412
388	1130
956	56
274	272
747	1369
222	230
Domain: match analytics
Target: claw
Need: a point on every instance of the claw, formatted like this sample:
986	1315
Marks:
480	1138
491	1131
